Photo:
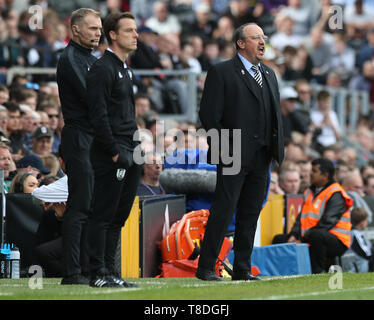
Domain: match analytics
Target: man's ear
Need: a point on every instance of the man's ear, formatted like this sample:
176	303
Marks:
113	35
240	43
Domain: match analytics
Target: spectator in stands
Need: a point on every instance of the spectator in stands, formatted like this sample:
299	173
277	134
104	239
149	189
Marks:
188	59
240	12
364	80
343	58
224	30
273	6
27	125
3	119
142	104
285	35
24	96
210	54
150	184
162	21
44	119
367	51
361	247
358	17
42	141
292	119
369	191
289	181
354	185
53	111
349	155
301	14
331	152
320	49
325	120
24	182
17	147
305	169
6	164
274	184
32	163
4	94
367	169
293	152
202	25
304	95
51	162
325	229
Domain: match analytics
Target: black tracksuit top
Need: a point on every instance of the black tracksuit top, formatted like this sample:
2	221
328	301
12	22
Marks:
110	100
72	69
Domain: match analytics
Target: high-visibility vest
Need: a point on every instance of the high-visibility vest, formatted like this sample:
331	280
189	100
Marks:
313	210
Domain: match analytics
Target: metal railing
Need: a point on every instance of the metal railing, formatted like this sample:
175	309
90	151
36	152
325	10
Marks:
190	115
358	100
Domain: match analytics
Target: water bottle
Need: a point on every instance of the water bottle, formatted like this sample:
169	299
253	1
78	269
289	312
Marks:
3	265
5	261
14	263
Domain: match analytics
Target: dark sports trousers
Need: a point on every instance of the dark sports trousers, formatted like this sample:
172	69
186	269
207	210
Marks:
76	153
49	256
112	202
324	246
245	191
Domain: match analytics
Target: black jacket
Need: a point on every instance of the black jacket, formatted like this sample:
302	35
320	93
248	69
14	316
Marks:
72	68
334	210
230	101
111	105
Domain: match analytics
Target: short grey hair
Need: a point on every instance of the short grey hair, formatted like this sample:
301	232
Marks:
78	15
239	35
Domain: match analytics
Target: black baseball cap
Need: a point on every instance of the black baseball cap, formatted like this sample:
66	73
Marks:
34	161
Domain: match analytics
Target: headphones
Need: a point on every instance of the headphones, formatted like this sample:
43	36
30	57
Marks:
18	188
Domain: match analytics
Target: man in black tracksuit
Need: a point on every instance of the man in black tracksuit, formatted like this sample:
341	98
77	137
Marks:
76	140
112	111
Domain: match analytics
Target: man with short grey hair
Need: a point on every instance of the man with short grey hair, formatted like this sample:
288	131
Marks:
76	138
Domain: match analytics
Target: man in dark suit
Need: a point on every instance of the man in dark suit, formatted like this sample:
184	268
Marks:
243	94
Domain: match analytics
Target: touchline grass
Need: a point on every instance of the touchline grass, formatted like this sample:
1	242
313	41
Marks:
346	286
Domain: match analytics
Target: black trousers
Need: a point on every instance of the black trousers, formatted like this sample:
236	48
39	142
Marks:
75	146
112	202
245	192
49	255
324	246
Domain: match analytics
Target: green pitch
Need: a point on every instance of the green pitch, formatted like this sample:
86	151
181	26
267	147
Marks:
325	286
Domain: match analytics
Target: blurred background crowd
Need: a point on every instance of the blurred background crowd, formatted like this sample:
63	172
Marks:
316	48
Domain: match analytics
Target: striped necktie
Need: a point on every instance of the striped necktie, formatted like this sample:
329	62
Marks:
257	76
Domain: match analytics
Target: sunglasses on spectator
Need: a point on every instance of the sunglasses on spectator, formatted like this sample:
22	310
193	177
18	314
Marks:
50	116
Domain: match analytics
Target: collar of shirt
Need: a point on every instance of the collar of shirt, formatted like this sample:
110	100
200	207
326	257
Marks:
248	65
110	50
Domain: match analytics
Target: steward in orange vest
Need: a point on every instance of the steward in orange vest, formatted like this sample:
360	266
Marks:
324	222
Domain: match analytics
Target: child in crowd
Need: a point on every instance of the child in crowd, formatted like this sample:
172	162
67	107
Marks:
361	247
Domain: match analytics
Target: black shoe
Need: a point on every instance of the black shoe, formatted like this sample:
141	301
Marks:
246	276
121	282
75	279
207	275
103	282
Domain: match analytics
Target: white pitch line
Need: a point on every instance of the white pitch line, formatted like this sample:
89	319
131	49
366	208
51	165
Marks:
313	293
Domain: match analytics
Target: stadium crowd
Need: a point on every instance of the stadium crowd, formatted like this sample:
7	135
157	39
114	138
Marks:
307	46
